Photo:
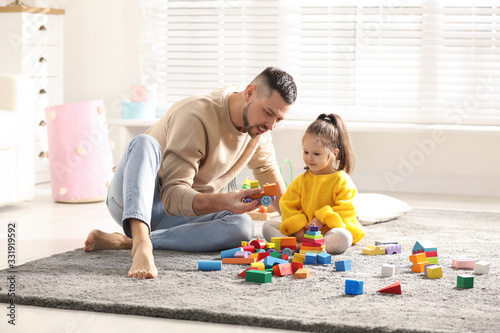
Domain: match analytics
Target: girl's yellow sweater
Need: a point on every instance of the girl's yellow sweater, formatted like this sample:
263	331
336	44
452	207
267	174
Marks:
329	198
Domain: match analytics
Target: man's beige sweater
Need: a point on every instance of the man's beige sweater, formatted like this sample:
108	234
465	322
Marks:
202	151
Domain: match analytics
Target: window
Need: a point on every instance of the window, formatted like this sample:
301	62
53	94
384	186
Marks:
373	60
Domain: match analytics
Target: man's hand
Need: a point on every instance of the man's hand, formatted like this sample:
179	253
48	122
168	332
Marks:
205	203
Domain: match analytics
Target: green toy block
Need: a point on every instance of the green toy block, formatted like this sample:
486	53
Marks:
433	260
465	281
258	276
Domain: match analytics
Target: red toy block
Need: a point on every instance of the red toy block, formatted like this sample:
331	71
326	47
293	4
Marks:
258	243
282	269
249	248
394	288
313	242
262	255
242	274
296	266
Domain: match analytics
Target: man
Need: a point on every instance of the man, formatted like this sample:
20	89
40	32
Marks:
166	191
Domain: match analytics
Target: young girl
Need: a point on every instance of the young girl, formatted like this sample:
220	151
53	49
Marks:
324	194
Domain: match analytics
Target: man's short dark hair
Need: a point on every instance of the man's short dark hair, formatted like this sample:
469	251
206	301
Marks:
273	78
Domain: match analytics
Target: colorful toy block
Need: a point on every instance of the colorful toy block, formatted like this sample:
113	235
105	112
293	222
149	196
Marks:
353	287
283	269
209	265
343	265
387	270
258	276
296	266
391	248
463	263
230	253
266	197
481	267
433	260
260	265
394	288
242	254
465	281
258	243
424	246
287	252
238	261
314	228
373	250
434	272
311	258
242	274
324	258
378	243
297	257
302	273
419	261
248	248
269	261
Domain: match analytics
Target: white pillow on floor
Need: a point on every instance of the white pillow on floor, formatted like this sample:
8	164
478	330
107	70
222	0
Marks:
374	208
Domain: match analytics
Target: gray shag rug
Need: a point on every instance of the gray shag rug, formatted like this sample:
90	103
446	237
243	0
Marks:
96	282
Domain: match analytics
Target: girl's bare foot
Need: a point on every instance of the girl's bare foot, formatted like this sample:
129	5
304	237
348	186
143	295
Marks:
100	240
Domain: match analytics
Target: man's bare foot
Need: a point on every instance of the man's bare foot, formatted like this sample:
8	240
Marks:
100	240
143	265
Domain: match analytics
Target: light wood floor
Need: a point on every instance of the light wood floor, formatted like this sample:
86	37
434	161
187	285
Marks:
45	228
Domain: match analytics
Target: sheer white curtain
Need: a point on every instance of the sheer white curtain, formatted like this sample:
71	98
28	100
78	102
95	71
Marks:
372	60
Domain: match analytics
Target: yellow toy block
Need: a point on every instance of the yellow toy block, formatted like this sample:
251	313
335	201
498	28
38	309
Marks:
260	265
302	251
254	255
300	258
372	250
302	273
244	243
435	272
254	184
270	245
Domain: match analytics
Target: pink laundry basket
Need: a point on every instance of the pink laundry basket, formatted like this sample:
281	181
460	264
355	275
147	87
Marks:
79	152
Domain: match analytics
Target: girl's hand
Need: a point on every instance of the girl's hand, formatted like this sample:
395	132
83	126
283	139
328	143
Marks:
316	222
300	234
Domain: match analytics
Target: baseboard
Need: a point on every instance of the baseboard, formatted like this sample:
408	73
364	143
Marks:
424	183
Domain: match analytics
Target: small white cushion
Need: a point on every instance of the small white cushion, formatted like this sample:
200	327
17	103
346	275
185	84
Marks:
12	129
374	208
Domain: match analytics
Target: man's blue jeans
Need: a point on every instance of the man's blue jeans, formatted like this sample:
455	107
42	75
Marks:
134	192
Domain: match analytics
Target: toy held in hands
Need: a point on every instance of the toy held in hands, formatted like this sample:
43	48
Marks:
266	197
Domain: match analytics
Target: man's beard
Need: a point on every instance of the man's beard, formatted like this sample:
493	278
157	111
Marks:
248	128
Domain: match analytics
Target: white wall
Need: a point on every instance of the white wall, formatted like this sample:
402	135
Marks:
101	61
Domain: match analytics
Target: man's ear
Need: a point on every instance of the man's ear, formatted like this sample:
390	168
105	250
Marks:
250	92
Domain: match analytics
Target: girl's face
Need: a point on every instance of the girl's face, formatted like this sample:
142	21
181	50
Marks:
319	160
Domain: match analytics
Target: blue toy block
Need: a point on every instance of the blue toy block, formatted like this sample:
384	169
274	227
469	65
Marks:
230	253
313	233
311	259
343	265
314	228
269	261
209	265
324	258
353	287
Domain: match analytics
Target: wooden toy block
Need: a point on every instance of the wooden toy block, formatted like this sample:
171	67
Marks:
372	250
246	184
258	276
313	242
465	281
262	255
311	259
258	244
270	189
256	214
244	243
284	256
423	246
481	267
287	252
313	248
238	261
230	253
419	267
270	245
277	254
394	288
254	184
249	248
434	272
209	265
283	269
304	251
300	258
430	254
387	270
313	233
324	258
314	228
343	265
260	265
353	287
433	260
242	274
416	258
463	263
427	267
296	266
271	261
242	254
303	273
391	248
289	241
378	243
313	237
